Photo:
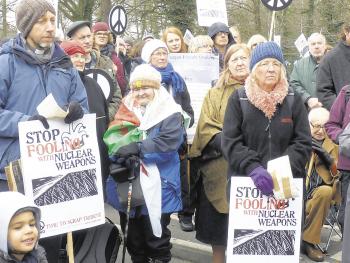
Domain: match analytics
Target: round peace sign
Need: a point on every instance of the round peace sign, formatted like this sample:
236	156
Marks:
117	20
276	5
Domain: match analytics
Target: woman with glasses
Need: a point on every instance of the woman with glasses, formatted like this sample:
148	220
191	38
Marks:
264	120
206	158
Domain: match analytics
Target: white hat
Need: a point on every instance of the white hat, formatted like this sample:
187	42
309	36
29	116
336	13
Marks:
150	47
145	75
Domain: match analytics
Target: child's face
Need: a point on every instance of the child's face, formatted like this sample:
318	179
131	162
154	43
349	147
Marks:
23	233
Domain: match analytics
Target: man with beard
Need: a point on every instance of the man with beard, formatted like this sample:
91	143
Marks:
32	66
303	77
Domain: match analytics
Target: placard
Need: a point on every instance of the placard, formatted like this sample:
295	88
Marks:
211	11
61	173
262	229
198	79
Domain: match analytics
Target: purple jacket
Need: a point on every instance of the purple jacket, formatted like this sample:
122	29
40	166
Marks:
339	118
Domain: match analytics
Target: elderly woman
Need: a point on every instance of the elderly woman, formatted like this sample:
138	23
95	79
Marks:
254	40
264	121
212	210
174	40
201	44
159	119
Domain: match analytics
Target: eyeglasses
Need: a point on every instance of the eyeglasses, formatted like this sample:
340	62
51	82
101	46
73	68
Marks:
206	46
160	54
222	33
317	126
137	90
102	34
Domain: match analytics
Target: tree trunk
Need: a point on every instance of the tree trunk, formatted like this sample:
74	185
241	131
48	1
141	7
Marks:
4	20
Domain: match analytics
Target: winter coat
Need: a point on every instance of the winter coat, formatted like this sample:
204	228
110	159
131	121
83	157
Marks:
10	204
211	119
338	120
303	78
24	83
249	139
98	105
103	62
333	74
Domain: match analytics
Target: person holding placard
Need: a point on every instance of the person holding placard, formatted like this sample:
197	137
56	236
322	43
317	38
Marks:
174	40
264	120
32	66
206	156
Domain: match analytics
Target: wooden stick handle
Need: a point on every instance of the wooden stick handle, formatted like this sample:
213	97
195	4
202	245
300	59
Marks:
70	247
309	170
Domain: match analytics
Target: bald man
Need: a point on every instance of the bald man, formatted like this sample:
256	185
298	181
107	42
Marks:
319	184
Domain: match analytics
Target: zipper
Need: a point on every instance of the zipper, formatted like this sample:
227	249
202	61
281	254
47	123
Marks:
268	129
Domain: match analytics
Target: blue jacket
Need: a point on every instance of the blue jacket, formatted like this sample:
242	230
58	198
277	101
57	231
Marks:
160	147
24	83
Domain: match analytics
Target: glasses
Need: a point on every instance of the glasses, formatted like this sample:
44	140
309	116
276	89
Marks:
137	90
102	34
206	46
222	33
160	54
317	126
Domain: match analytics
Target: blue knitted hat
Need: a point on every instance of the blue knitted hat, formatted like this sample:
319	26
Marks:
266	50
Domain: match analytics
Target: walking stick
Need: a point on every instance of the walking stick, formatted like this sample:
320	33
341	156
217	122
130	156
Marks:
134	165
311	164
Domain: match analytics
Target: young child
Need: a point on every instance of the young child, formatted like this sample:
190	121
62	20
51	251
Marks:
19	230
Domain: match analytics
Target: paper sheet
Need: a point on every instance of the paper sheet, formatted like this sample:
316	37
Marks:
50	109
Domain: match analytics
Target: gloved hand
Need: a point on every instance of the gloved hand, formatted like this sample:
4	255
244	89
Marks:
321	153
40	118
262	180
75	112
128	150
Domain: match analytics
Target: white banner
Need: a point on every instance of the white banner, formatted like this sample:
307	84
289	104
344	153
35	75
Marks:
61	173
211	11
198	70
262	229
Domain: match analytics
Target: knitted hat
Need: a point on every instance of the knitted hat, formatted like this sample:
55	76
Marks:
72	47
75	26
148	36
100	26
150	47
145	75
266	50
216	28
28	13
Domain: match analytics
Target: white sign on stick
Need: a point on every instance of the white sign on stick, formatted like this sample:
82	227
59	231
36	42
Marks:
301	44
198	78
262	229
211	11
62	174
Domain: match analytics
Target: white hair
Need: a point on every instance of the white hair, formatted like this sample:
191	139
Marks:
319	115
316	35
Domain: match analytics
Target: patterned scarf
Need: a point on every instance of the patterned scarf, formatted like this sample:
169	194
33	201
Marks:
169	76
266	101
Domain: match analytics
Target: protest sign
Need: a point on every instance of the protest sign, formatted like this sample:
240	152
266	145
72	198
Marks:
262	229
62	173
198	70
211	11
301	44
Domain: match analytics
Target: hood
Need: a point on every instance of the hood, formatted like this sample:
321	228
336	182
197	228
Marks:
10	204
16	46
220	27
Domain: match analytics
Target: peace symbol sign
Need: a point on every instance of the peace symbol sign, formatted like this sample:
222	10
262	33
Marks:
117	20
276	5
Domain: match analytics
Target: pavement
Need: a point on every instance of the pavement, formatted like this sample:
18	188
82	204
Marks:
187	249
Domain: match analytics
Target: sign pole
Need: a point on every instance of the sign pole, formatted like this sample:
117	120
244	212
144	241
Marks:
69	248
272	25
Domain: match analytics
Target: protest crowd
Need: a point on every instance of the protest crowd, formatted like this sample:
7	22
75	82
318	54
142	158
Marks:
252	113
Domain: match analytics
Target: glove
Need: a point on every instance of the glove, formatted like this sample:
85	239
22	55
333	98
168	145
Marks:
75	112
321	153
262	180
40	118
215	142
132	149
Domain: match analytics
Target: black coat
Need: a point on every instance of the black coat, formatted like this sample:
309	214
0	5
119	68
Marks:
249	140
98	104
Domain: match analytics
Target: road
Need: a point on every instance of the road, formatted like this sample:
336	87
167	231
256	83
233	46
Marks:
187	249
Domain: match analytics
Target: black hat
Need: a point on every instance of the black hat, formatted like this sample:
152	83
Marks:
76	26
